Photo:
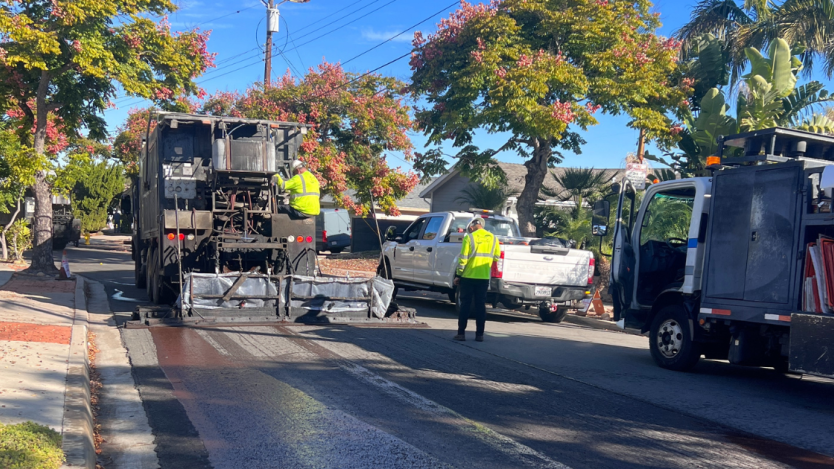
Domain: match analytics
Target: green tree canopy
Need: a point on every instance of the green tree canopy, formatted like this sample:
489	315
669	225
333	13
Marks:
538	70
60	61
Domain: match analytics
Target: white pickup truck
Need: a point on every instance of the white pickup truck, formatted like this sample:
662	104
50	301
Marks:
531	273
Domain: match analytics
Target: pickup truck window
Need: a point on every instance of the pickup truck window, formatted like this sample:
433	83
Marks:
433	228
506	228
413	231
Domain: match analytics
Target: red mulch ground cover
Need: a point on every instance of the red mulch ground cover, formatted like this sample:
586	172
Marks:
36	286
25	332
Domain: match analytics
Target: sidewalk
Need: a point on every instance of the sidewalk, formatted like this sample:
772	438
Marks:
109	242
44	374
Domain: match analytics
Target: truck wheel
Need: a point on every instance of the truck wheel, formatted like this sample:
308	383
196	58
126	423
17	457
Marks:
58	244
140	277
149	273
384	269
670	340
553	316
336	251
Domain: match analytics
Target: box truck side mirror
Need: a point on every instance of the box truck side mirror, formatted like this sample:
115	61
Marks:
599	225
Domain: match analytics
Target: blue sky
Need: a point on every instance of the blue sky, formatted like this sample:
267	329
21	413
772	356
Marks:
318	31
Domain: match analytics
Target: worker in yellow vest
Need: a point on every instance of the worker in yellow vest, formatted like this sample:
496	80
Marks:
479	250
304	192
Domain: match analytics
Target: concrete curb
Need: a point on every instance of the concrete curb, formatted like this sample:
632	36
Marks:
118	248
78	445
598	324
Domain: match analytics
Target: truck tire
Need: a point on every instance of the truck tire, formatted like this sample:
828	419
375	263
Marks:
140	277
670	340
553	316
58	244
336	251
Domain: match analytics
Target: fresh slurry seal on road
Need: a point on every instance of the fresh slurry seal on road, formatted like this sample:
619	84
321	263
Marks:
249	419
532	395
397	388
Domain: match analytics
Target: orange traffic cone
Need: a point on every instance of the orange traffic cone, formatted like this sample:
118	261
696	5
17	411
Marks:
599	308
65	268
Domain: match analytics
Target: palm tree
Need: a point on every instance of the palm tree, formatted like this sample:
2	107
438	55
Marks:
807	24
580	185
487	198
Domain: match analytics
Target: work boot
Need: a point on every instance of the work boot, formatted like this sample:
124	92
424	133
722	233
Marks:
479	338
460	337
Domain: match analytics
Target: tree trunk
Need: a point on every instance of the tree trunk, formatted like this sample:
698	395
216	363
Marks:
6	228
42	259
533	181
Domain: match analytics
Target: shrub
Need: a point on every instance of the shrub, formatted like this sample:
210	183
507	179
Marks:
19	239
28	445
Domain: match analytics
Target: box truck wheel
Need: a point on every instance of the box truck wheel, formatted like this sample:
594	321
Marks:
140	277
670	340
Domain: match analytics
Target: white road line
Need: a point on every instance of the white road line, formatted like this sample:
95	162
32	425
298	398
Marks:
205	335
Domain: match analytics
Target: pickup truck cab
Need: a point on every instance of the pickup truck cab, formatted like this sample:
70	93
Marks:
531	273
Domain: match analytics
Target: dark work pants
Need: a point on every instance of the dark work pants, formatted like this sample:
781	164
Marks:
473	297
293	213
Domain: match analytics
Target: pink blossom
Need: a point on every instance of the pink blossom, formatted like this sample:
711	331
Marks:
563	112
592	108
501	72
676	129
419	40
688	82
524	61
477	56
76	45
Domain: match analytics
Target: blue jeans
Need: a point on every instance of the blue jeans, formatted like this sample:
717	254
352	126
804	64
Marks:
473	292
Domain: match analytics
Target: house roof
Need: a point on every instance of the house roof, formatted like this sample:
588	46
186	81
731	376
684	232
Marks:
515	178
411	200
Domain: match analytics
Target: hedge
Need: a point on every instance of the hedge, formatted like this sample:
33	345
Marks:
29	445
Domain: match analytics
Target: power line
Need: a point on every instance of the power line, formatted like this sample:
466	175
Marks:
227	15
402	32
337	11
342	26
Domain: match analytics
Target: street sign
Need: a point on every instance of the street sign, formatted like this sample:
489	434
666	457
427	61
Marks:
636	174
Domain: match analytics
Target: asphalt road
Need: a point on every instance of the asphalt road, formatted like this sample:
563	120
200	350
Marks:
531	395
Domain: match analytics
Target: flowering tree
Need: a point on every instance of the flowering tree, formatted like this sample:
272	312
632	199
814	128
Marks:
355	120
539	70
59	62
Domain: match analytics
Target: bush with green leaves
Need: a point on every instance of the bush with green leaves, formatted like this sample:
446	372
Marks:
95	186
29	445
19	239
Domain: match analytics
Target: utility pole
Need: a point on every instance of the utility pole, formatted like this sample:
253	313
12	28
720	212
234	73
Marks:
273	22
641	144
270	8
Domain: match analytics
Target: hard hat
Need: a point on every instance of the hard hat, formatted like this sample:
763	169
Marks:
477	221
297	164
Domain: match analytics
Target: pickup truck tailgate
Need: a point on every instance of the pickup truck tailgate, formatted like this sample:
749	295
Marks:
546	265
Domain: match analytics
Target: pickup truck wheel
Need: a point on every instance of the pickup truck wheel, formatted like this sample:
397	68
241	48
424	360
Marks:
670	340
336	251
553	316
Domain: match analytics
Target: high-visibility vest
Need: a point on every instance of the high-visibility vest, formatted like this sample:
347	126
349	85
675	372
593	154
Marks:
477	253
304	192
